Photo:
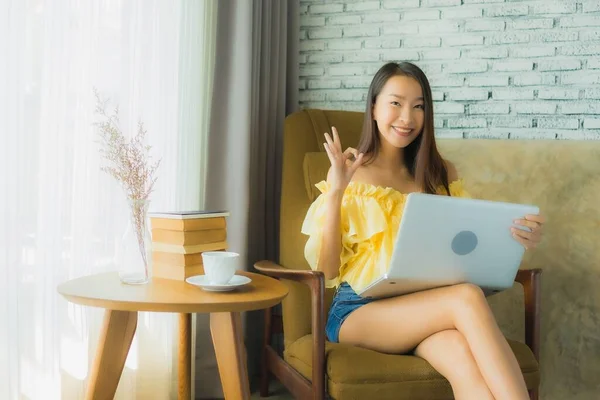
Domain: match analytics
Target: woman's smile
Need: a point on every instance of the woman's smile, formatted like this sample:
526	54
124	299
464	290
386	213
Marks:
404	132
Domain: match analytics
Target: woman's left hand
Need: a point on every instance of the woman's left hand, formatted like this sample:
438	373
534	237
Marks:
529	240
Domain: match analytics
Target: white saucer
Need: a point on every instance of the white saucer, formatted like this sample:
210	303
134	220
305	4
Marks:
203	282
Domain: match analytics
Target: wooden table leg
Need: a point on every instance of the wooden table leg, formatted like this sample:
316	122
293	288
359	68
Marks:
185	357
226	332
115	339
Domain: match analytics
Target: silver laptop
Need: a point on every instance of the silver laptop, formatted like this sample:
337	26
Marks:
445	240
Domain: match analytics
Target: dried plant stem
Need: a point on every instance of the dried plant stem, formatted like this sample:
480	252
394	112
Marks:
138	211
129	164
129	160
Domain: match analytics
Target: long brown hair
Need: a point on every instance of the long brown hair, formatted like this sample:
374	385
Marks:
421	157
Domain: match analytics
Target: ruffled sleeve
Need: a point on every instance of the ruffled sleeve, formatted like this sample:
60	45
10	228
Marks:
361	220
457	189
313	225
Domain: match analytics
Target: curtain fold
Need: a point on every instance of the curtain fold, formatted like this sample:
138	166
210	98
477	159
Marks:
60	216
197	66
226	182
255	88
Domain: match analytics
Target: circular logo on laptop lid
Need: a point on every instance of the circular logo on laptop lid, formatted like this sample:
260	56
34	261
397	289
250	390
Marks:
464	243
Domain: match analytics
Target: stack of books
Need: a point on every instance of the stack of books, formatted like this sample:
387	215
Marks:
180	238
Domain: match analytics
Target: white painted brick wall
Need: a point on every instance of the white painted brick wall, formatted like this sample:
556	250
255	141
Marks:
498	68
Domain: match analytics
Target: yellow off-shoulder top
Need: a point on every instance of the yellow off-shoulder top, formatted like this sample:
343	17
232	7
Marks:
370	218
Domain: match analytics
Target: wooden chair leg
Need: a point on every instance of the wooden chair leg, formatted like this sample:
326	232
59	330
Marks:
264	367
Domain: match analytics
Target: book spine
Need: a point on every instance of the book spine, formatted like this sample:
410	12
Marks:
183	260
189	238
182	249
188	225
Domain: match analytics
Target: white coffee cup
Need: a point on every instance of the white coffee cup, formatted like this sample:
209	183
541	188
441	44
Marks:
220	266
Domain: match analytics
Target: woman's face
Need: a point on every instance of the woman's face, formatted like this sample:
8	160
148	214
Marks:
399	111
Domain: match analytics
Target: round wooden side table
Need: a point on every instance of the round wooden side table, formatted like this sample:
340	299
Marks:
122	303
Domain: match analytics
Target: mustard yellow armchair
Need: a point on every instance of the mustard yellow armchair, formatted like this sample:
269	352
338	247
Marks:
310	367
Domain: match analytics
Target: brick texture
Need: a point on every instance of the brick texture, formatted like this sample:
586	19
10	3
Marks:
511	69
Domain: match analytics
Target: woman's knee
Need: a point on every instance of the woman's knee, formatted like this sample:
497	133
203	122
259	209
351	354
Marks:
469	292
468	295
468	302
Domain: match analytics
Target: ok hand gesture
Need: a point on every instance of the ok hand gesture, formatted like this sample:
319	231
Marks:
342	167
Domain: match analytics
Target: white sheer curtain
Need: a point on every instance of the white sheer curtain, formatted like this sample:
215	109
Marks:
60	216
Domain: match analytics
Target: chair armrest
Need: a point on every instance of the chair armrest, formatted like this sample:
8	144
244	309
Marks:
275	270
315	280
531	281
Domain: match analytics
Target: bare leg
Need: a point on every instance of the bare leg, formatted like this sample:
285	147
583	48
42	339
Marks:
399	324
449	353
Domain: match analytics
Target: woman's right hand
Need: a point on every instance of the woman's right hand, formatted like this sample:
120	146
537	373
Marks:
342	167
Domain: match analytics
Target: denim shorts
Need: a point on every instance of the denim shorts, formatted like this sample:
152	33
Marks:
344	302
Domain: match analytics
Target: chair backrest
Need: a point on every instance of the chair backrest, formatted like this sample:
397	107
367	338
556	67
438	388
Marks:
562	177
303	134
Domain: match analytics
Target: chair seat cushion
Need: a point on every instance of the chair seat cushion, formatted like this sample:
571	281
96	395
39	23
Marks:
357	373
